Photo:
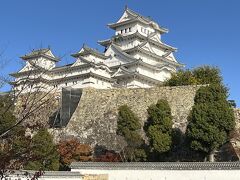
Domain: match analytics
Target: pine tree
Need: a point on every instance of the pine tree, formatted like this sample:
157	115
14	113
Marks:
7	119
44	152
159	127
14	146
210	120
207	75
129	127
197	76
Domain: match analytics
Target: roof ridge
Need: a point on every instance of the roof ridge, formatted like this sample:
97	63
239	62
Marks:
90	50
139	15
39	52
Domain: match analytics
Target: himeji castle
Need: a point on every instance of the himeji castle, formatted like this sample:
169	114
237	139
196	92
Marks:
134	57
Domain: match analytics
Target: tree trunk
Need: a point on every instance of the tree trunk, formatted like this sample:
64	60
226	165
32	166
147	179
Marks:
205	159
211	156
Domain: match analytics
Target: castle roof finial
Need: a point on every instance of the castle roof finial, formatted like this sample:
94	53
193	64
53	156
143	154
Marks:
126	7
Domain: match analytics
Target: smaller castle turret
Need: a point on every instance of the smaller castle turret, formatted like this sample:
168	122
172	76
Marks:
43	58
134	57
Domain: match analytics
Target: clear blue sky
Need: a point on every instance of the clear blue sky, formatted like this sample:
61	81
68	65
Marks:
204	31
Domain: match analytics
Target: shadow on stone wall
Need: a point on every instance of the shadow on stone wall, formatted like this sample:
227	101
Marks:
94	121
69	102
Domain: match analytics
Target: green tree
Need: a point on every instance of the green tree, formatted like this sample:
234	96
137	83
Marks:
14	146
129	127
210	120
44	155
7	119
182	78
159	127
207	75
197	76
17	149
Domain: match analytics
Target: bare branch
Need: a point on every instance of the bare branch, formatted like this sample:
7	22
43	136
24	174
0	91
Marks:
33	101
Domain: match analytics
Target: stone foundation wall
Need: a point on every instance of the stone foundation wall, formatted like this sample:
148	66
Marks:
36	108
237	117
95	119
235	139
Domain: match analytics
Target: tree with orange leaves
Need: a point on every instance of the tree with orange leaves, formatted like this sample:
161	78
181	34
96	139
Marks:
72	150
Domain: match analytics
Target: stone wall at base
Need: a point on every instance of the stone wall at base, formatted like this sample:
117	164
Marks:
95	119
36	108
235	139
237	117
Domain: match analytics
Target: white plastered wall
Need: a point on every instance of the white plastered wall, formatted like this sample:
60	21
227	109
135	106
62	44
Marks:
165	174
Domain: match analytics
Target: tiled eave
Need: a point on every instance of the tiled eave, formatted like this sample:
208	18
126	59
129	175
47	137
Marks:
137	75
28	57
23	73
71	68
140	20
164	59
63	79
84	75
144	64
157	165
141	37
91	51
59	70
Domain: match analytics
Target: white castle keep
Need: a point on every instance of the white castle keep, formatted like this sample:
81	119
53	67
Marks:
134	57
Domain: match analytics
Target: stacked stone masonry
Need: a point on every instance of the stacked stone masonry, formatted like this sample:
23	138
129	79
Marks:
95	119
237	117
235	140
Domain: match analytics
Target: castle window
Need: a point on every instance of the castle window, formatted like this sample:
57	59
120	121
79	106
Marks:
121	31
66	84
125	30
130	29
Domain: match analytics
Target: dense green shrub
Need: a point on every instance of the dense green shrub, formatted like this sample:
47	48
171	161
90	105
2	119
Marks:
210	120
158	128
129	127
7	119
44	155
197	76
